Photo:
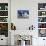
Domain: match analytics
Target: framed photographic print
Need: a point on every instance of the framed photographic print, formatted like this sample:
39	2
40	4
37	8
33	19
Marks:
23	13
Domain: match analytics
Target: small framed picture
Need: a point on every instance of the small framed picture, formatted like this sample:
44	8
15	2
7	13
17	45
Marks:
23	13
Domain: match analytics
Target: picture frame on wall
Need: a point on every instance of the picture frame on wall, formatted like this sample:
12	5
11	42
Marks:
23	14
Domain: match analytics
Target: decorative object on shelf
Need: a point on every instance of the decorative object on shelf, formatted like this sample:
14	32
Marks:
4	26
41	6
4	29
42	32
3	19
23	13
31	27
13	27
41	19
40	25
41	13
3	6
3	13
6	7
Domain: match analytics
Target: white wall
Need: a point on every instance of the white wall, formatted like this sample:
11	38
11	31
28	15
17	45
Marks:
32	6
23	24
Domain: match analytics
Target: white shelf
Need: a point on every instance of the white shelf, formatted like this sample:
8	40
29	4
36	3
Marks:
41	22
3	22
41	28
41	10
3	10
42	16
3	16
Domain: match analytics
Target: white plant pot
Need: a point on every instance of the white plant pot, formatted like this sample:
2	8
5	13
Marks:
22	43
